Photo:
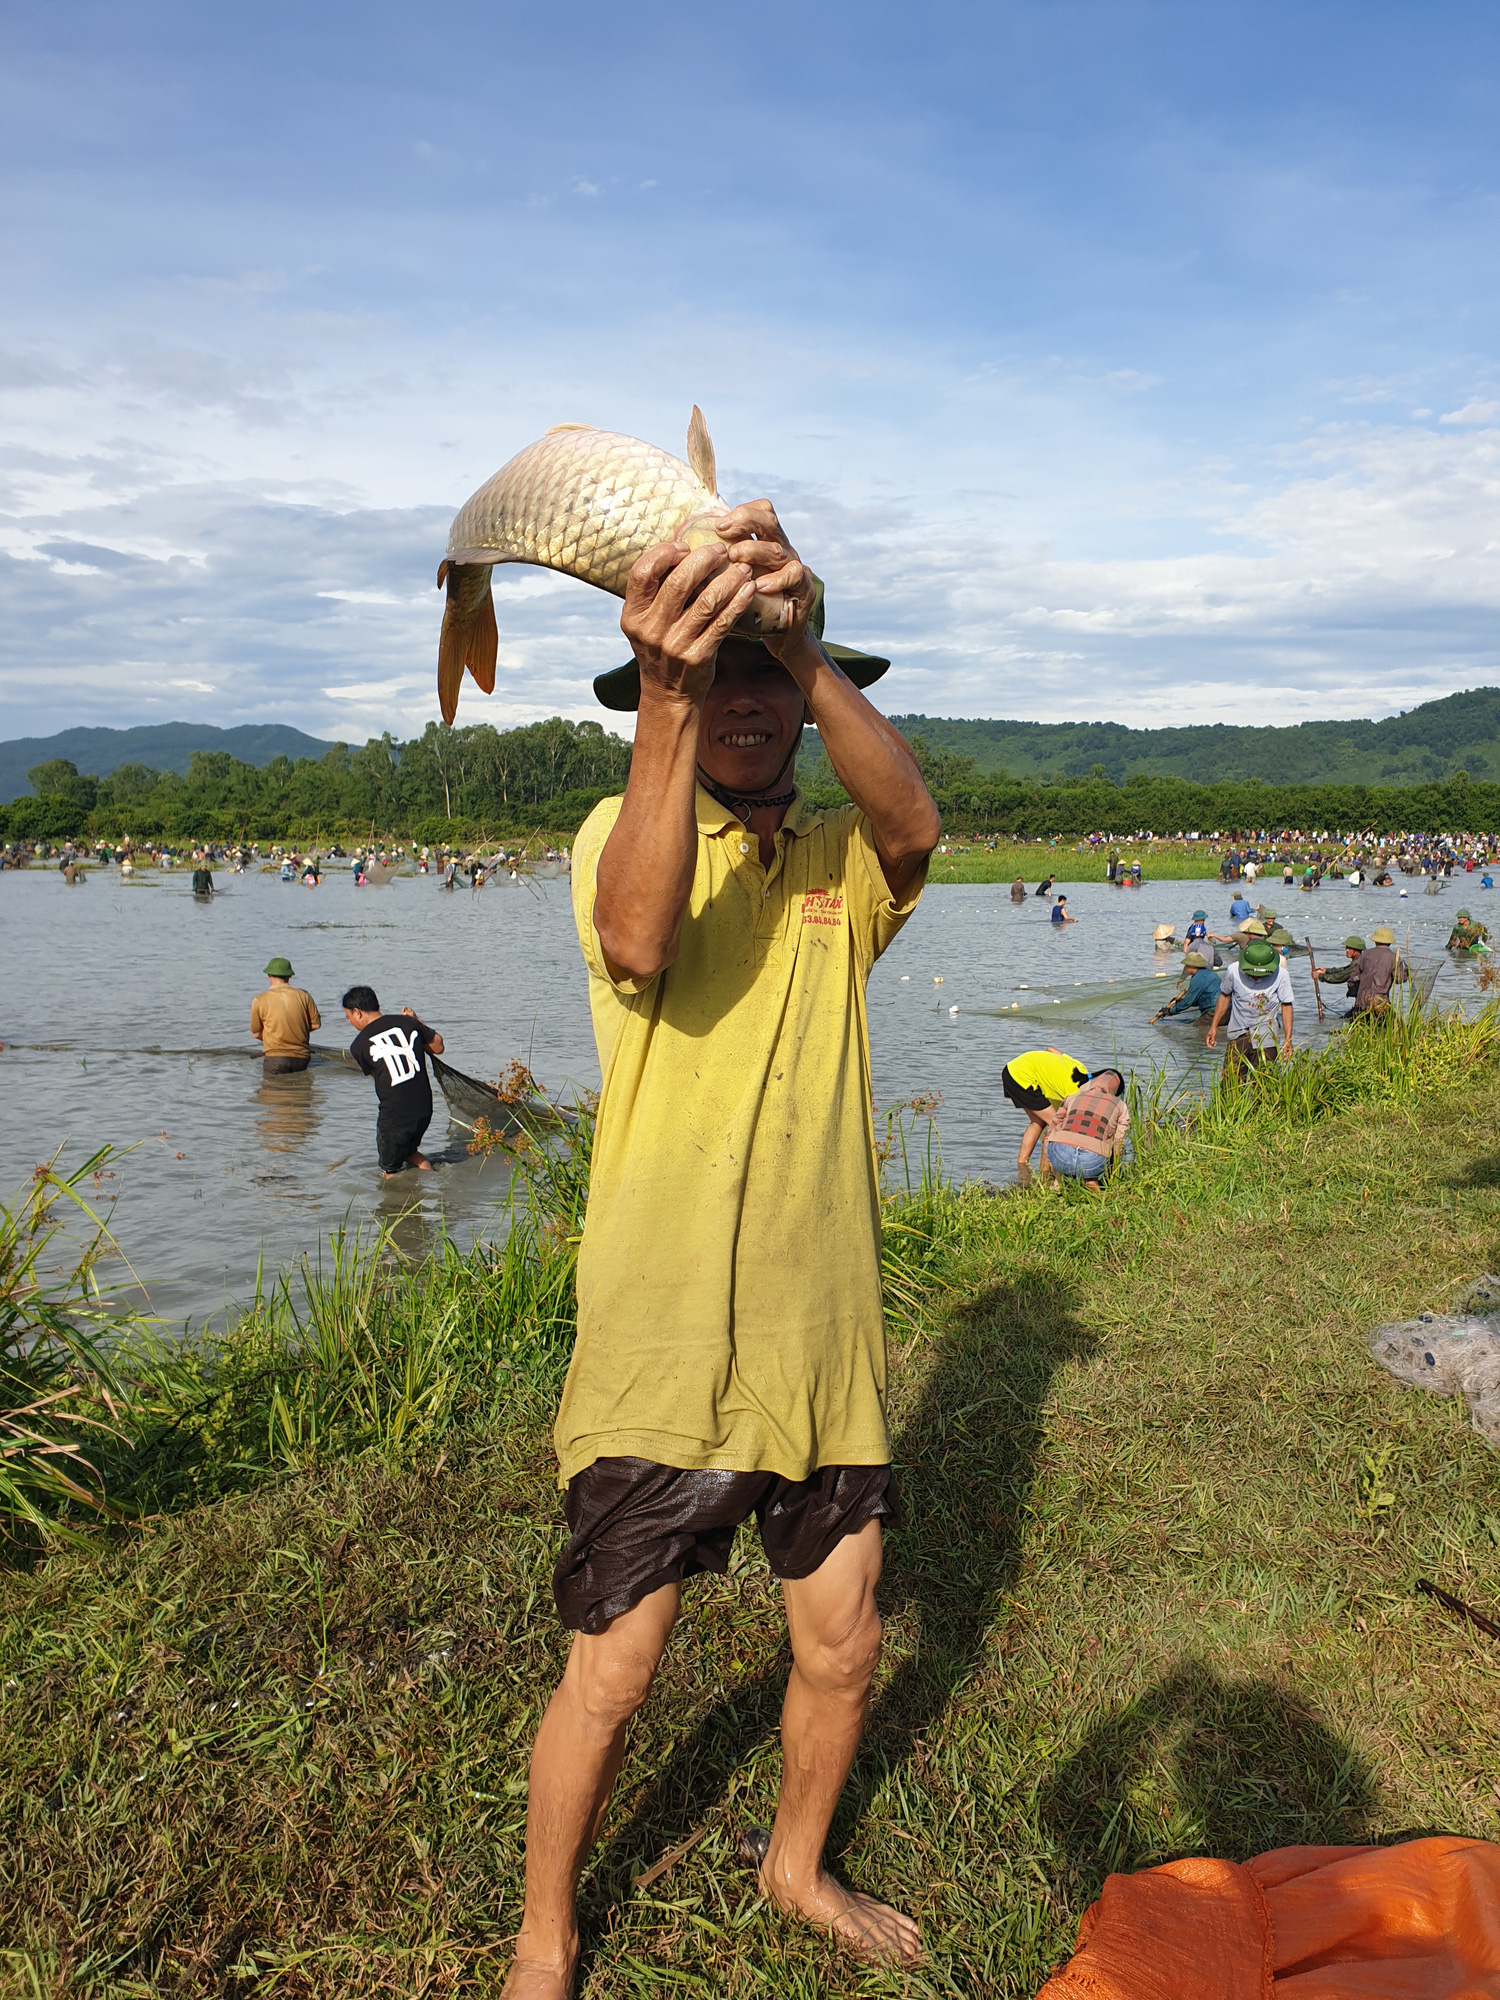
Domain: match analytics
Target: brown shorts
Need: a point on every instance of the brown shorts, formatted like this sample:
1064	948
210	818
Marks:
636	1526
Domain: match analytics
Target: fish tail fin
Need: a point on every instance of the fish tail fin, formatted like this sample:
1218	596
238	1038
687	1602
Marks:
700	449
469	637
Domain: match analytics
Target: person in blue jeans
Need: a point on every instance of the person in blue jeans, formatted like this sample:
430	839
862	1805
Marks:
1087	1131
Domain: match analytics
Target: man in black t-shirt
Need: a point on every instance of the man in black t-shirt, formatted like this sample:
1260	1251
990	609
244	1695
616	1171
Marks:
393	1048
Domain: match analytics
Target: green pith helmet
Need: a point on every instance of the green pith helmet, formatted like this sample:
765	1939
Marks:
1464	917
1383	936
1354	944
1258	958
621	688
279	968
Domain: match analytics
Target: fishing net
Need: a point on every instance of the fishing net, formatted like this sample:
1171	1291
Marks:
469	1101
1452	1354
1078	1003
1423	977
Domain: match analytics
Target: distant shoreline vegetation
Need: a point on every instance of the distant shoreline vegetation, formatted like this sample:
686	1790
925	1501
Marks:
450	784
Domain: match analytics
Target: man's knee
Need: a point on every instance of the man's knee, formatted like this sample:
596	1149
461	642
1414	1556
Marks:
843	1661
611	1680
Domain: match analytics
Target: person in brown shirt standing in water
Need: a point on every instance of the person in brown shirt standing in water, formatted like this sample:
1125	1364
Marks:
282	1020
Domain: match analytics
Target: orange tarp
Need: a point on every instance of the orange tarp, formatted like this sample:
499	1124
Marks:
1416	1922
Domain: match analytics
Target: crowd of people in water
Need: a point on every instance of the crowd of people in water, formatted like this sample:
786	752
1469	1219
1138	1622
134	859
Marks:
1237	982
368	865
1234	982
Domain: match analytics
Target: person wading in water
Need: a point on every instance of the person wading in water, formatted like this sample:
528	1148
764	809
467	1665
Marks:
730	1357
282	1020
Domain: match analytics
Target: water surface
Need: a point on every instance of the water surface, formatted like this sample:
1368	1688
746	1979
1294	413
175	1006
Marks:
124	1007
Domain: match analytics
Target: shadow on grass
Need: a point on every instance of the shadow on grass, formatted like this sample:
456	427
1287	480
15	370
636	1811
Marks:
1202	1765
1481	1173
965	1460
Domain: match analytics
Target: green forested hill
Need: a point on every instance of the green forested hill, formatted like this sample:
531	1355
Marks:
164	746
1460	732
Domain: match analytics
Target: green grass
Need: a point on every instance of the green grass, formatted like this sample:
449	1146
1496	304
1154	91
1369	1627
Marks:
1002	861
1152	1592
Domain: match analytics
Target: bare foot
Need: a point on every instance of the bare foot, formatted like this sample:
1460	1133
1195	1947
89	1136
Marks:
421	1161
866	1929
540	1979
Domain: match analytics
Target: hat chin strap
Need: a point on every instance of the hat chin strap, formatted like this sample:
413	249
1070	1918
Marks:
742	804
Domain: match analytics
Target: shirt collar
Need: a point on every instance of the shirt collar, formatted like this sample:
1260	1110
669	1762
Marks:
715	819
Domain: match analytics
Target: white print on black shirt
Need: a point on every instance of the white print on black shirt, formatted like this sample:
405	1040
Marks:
395	1049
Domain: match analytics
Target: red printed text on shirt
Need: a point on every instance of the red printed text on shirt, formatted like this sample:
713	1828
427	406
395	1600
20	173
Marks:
818	908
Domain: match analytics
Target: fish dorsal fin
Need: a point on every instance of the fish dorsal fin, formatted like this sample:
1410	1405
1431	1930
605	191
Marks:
701	451
553	429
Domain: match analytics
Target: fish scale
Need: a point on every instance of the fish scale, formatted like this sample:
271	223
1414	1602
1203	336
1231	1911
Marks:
585	502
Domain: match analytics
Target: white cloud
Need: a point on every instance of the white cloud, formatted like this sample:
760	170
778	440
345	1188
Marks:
1473	413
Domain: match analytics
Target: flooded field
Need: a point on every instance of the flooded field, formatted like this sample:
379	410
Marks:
124	1009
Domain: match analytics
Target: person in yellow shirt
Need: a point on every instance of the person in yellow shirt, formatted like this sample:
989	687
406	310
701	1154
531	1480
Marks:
1037	1083
282	1020
730	1357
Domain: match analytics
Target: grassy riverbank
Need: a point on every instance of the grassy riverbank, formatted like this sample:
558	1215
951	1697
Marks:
1033	860
1153	1592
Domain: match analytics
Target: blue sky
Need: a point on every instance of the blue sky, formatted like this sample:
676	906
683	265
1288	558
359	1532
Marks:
1132	361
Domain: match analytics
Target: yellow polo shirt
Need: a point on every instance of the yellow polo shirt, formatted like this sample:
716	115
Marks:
729	1307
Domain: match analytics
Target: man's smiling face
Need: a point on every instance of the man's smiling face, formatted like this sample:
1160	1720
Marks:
752	719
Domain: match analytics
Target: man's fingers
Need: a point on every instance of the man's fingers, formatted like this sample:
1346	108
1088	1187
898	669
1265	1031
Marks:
713	602
791	578
647	573
756	521
699	647
689	578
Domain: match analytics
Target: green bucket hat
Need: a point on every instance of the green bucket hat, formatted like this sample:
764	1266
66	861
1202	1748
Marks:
1354	944
279	968
621	688
1258	957
1200	916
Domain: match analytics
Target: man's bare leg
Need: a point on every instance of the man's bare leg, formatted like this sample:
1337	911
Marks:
835	1633
577	1757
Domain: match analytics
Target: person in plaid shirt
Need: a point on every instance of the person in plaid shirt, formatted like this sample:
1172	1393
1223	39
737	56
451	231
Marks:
1088	1130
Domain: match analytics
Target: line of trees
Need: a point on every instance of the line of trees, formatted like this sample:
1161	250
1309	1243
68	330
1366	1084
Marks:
450	784
442	784
972	801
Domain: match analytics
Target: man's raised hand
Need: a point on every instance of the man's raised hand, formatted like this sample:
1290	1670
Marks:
679	608
755	537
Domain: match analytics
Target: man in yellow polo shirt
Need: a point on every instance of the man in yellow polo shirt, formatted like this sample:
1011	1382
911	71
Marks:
731	1352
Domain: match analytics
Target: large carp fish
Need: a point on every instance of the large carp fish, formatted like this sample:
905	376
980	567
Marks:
586	502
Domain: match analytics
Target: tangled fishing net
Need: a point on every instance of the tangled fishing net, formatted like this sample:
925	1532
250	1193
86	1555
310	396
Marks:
1453	1354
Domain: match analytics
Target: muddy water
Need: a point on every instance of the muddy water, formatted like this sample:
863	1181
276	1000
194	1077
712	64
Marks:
124	1008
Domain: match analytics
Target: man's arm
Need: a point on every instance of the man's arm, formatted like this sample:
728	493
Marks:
257	1026
431	1039
1221	1015
679	607
872	758
1286	1027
